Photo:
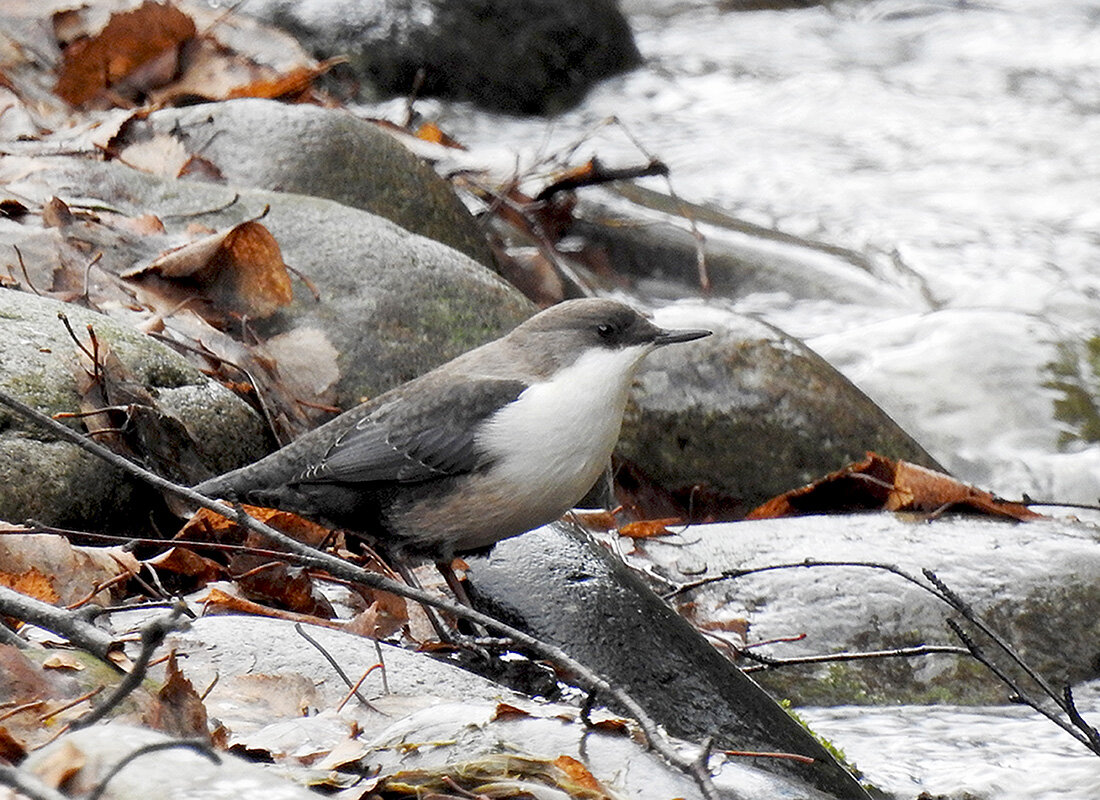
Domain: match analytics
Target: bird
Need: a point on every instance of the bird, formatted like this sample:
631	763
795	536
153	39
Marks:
496	442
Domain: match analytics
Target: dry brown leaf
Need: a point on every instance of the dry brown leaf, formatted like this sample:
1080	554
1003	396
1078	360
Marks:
71	572
507	711
181	561
56	214
597	520
177	709
135	53
64	661
207	526
33	583
12	749
239	271
294	85
384	617
60	765
649	528
579	773
430	132
218	600
880	483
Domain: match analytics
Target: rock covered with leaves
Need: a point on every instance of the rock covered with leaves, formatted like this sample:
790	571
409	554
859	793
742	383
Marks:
168	415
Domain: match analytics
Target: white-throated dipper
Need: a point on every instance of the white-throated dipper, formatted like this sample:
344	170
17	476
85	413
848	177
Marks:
500	440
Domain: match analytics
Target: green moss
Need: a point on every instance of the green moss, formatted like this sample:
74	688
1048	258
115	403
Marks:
831	748
1075	377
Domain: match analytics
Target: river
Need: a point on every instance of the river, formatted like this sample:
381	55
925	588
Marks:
956	144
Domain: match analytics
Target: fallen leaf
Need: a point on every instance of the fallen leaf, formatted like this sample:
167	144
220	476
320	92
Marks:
12	750
177	709
506	711
135	53
33	583
181	561
162	154
208	526
579	773
62	660
239	271
880	483
648	528
430	132
219	600
59	766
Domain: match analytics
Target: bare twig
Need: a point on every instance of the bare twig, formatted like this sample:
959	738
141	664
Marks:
73	625
27	784
336	666
343	569
768	663
198	745
152	635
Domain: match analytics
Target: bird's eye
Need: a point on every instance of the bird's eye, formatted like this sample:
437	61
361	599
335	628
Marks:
605	330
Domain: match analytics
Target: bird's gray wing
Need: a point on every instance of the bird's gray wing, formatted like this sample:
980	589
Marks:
418	437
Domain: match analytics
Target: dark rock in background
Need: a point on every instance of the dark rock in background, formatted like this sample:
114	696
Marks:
519	56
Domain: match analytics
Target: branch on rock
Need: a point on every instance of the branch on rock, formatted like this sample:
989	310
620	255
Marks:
1075	726
347	571
767	663
152	636
76	625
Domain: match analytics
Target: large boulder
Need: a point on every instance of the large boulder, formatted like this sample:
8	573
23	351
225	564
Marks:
1034	583
729	421
390	306
56	482
305	149
526	56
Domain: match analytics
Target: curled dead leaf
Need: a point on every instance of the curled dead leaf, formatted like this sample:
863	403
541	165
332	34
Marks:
136	52
239	271
880	483
649	528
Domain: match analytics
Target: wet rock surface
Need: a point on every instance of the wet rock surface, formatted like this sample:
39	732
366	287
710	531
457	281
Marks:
563	588
1034	583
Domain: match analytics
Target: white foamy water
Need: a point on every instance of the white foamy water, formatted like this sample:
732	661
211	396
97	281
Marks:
997	753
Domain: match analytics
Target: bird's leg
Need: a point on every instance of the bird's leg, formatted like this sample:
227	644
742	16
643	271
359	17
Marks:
445	635
453	582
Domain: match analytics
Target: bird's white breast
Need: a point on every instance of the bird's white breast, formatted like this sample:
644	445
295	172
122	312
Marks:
553	442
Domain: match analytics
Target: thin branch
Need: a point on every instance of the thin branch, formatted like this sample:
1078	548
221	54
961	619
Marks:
152	635
343	569
27	784
198	745
767	663
73	625
336	666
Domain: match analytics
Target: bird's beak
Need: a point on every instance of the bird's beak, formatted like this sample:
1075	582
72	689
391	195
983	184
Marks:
672	337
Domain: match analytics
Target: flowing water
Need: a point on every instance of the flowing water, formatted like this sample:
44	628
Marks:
960	143
954	141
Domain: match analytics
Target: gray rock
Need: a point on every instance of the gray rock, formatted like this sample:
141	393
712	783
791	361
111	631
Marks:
646	236
178	773
748	413
305	149
56	482
567	590
392	304
1036	583
529	56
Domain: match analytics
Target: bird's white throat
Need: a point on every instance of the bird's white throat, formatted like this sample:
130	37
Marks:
556	438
